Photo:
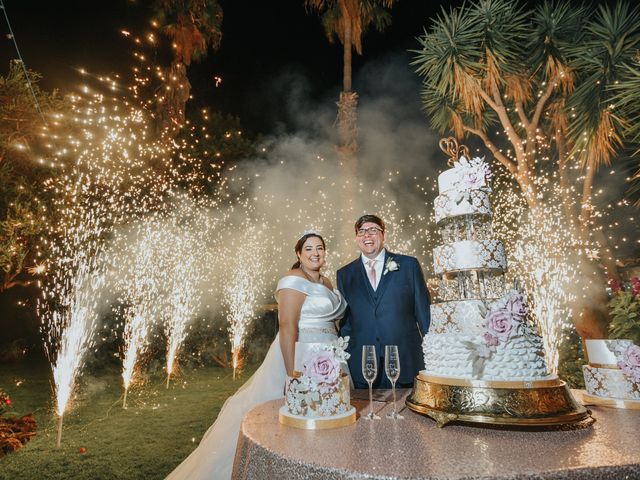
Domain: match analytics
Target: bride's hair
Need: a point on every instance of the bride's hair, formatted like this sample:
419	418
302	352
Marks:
300	243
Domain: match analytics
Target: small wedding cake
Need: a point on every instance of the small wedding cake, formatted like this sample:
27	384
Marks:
317	395
613	372
480	330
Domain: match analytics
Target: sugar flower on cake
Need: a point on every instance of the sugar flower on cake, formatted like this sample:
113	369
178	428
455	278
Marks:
500	325
630	363
471	174
505	319
322	368
517	304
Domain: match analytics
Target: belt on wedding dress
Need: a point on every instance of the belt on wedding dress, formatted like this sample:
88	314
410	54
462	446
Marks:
331	331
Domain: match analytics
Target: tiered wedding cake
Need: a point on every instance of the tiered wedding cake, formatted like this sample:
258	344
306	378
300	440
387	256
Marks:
480	330
484	358
613	372
317	396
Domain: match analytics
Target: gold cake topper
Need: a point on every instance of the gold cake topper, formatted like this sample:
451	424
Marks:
450	147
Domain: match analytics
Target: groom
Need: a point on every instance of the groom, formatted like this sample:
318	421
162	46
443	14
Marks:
388	305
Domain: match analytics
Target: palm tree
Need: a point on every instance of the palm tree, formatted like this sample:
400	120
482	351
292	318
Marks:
526	82
193	26
626	98
347	21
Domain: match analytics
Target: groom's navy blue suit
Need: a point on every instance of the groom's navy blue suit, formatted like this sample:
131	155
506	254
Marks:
396	313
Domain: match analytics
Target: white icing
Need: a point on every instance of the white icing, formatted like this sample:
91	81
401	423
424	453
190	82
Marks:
447	180
603	352
520	358
609	383
303	350
469	255
453	203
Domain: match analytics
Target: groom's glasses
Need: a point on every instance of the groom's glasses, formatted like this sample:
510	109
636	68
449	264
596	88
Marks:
371	231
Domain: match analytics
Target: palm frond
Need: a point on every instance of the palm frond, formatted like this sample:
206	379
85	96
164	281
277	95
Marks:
504	26
609	45
193	25
359	14
557	27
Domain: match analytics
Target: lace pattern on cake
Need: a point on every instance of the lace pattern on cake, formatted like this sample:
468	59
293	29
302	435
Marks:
447	204
456	317
304	399
469	255
610	383
466	227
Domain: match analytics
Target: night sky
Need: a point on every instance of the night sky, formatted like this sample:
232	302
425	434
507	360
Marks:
262	42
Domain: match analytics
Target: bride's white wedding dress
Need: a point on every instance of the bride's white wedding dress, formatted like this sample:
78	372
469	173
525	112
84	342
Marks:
213	458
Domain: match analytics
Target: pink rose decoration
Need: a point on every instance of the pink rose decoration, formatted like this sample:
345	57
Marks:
500	323
473	178
323	368
517	305
630	363
635	286
491	340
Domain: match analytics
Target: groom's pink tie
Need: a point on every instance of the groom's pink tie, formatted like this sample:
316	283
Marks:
372	273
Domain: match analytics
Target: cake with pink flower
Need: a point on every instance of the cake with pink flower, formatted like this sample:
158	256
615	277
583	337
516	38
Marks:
613	372
480	328
317	395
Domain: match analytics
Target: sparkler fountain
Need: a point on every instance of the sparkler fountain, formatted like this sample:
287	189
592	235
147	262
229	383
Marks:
243	290
190	227
142	292
71	305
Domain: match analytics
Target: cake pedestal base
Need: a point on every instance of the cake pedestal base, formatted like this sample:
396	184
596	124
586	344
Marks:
318	423
536	405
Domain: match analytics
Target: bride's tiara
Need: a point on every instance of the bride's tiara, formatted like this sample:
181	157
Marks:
309	232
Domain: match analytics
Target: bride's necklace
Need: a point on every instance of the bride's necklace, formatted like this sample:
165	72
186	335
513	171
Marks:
310	278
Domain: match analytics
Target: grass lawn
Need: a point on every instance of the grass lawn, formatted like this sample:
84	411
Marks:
146	441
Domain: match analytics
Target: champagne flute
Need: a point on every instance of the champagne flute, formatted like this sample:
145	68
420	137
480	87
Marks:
370	372
392	369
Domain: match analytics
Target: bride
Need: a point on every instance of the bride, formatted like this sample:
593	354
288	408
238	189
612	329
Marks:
308	307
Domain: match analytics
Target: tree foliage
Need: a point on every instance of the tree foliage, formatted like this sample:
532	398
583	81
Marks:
357	16
537	85
541	76
24	163
193	26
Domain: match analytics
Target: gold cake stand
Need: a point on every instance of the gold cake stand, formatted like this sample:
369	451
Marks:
610	402
541	404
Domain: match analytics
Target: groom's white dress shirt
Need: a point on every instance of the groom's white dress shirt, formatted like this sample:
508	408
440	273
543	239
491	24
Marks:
379	266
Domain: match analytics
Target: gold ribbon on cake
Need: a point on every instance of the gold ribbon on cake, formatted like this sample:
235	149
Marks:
604	365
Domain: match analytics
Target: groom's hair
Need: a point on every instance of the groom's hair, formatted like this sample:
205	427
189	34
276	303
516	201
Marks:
370	218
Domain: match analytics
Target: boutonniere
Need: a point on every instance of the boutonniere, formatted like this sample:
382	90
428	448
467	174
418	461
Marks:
390	266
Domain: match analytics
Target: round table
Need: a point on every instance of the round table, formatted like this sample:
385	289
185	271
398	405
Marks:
415	448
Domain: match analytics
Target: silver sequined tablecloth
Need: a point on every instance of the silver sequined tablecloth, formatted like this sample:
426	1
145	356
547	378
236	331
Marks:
414	448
